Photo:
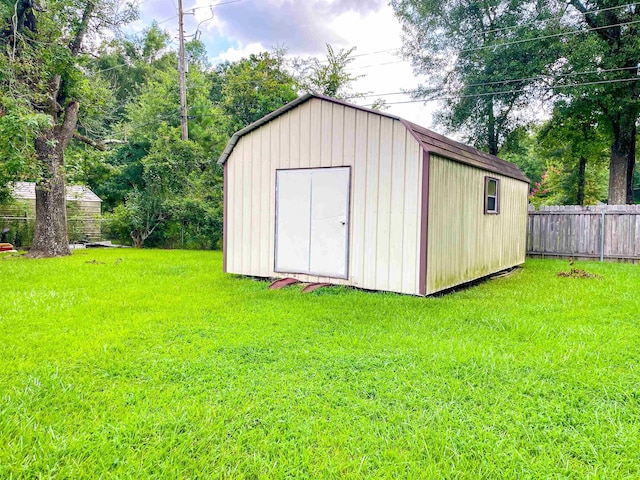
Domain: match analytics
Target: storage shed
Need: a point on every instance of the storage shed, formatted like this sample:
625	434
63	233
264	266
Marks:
328	192
83	208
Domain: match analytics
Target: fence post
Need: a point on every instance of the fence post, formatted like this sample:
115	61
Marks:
602	235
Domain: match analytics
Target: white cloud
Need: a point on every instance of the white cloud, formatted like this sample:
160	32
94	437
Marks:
233	54
383	72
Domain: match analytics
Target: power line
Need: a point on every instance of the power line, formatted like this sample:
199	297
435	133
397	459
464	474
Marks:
591	12
482	84
214	5
549	76
114	67
545	37
432	99
378	65
513	42
397	49
375	53
367	53
167	19
191	10
460	51
485	94
510	80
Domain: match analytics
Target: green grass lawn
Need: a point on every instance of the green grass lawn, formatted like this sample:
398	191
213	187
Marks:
154	364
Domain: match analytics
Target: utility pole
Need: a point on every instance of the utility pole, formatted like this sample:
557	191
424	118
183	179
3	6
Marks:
183	75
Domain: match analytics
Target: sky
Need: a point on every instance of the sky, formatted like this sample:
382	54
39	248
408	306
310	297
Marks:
241	27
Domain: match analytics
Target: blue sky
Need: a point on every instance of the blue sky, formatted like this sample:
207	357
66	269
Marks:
304	27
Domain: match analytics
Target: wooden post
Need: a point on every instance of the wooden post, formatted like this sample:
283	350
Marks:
602	235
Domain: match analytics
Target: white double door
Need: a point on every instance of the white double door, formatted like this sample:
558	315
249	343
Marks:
312	221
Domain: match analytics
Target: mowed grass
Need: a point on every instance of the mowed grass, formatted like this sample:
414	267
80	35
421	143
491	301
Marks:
154	364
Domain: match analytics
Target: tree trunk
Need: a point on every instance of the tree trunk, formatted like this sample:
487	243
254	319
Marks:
137	241
581	180
631	166
50	236
623	159
492	137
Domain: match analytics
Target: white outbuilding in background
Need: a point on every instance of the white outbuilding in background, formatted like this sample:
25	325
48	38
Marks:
328	192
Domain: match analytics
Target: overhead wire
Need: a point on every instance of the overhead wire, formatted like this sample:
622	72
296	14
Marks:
554	75
513	42
446	97
545	37
496	30
498	82
559	17
213	5
432	99
505	92
482	84
199	8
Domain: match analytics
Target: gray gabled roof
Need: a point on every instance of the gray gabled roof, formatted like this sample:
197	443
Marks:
27	191
429	140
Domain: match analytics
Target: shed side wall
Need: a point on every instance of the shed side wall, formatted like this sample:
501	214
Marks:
385	192
84	216
464	242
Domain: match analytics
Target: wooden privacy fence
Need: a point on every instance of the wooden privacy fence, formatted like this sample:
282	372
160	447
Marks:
604	232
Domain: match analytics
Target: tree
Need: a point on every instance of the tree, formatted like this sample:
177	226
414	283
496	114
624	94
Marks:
127	63
573	143
329	77
160	185
565	157
253	87
520	147
42	55
608	45
489	60
18	127
172	173
484	80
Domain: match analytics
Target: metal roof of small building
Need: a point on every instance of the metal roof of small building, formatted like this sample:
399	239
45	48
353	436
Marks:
78	193
430	141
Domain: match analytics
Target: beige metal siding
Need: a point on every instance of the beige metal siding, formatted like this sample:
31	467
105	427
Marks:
465	243
385	163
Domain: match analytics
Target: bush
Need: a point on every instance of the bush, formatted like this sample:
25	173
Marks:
20	232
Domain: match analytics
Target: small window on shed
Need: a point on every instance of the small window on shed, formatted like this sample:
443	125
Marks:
491	195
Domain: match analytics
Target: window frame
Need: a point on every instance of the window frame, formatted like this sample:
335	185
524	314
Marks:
488	179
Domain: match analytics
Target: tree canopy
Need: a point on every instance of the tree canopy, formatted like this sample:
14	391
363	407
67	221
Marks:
493	64
329	77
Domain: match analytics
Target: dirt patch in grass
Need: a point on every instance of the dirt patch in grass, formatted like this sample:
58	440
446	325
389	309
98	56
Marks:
578	273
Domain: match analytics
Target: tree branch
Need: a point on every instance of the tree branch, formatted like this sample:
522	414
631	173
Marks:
65	131
54	107
97	144
590	18
83	28
93	143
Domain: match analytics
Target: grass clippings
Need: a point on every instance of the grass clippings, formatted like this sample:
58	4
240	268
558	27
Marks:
578	273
